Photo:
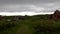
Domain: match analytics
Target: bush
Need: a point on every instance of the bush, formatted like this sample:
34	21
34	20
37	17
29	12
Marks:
5	26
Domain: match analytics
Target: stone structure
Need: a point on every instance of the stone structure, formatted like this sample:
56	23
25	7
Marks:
18	18
56	15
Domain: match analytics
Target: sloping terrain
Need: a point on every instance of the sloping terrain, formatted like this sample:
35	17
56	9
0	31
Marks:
38	24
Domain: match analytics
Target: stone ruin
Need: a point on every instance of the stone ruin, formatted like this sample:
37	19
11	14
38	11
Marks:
18	18
56	15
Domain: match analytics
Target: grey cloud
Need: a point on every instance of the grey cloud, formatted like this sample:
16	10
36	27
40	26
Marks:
28	5
26	1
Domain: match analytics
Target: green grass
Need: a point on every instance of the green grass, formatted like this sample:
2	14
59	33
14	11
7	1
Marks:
39	24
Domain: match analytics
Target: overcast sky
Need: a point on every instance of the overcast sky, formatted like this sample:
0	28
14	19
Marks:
38	6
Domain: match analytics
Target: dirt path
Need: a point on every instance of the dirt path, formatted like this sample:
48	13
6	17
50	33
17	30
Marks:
23	29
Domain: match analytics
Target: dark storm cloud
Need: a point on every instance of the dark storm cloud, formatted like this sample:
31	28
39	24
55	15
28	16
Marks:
29	5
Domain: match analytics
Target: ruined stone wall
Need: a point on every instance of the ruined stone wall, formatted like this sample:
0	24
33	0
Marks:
56	15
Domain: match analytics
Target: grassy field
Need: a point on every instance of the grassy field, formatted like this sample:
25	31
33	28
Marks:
38	24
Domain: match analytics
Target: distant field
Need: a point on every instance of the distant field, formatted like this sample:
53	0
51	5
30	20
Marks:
38	24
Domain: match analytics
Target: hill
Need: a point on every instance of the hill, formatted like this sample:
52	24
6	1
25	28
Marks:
37	24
